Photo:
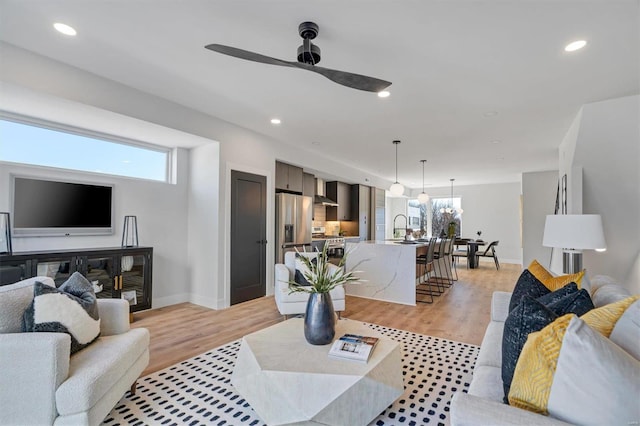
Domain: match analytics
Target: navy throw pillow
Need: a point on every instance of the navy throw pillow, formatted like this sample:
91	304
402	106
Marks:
527	285
527	317
301	270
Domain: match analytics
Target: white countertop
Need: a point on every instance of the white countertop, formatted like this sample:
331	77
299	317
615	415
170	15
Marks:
394	243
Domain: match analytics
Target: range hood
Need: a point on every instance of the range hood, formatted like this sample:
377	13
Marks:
320	197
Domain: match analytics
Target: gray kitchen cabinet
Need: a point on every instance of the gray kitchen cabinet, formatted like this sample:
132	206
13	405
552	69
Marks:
289	178
341	193
361	210
308	185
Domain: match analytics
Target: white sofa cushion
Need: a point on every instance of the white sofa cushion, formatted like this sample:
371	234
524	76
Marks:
491	347
14	299
599	389
487	383
500	305
608	293
87	382
626	332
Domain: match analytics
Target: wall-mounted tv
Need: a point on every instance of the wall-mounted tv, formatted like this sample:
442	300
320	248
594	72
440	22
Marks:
45	207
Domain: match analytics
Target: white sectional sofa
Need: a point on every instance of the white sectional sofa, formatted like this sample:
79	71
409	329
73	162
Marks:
483	404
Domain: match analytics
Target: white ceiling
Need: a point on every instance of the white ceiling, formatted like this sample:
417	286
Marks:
450	62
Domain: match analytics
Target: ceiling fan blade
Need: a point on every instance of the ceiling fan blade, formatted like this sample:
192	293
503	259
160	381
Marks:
355	81
249	56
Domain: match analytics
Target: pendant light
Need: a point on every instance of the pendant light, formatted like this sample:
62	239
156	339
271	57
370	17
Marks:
451	209
396	189
423	198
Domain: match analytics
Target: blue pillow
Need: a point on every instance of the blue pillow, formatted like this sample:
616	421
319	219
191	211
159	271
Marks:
301	270
527	317
527	285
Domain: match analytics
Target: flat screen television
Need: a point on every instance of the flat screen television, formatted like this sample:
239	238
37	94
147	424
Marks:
45	207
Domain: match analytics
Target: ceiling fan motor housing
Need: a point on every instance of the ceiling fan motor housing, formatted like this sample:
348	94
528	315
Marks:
308	53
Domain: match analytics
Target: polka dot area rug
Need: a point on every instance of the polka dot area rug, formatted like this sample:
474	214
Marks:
198	391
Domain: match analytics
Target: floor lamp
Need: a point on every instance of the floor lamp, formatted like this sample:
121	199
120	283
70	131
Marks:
574	233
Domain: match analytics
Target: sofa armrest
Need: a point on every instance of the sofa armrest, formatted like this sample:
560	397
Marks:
282	274
33	365
500	305
114	316
472	410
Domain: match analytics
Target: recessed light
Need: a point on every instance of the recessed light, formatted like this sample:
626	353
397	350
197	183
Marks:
575	45
64	29
275	121
495	142
384	94
490	113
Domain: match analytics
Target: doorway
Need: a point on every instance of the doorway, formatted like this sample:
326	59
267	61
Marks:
248	236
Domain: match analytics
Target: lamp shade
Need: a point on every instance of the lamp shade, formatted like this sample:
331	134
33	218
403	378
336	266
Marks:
423	198
396	189
574	231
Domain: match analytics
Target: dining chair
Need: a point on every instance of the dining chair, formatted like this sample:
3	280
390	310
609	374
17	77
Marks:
489	252
426	263
460	253
444	277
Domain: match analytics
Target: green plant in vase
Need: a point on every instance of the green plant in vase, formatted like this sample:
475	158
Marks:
322	276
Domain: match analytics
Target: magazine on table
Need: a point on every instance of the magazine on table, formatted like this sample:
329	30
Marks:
353	347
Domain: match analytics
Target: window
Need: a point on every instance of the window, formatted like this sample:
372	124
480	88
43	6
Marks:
417	216
80	150
443	212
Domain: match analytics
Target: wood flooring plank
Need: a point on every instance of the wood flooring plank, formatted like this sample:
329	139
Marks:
181	331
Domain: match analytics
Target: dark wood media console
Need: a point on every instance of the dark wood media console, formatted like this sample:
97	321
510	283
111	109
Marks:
116	272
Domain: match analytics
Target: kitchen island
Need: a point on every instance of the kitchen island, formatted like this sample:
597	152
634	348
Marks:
387	268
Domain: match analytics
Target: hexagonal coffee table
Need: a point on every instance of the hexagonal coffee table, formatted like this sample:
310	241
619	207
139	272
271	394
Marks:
289	381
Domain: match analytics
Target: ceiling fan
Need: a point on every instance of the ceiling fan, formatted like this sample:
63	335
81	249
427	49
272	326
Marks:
308	57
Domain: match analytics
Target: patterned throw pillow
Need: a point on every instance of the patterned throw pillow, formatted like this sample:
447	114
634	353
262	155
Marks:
530	315
604	318
533	315
302	270
71	309
571	372
527	285
551	282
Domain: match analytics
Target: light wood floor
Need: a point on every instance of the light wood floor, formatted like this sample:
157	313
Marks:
184	330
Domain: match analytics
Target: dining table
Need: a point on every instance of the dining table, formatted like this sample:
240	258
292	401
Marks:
471	252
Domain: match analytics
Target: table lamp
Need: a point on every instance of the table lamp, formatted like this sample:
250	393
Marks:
574	233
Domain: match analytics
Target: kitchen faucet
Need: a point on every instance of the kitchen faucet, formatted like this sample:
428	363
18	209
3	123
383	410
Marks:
406	223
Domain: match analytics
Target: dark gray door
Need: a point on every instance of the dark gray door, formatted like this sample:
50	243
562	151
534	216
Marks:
248	236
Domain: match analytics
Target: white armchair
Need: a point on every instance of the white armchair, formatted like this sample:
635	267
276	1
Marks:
41	384
296	303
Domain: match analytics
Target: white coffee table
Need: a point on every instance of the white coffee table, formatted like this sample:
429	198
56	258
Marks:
289	381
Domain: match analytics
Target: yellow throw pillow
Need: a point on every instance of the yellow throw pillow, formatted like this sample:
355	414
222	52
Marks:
604	318
536	365
551	282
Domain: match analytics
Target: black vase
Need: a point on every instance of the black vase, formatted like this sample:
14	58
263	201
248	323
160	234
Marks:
319	319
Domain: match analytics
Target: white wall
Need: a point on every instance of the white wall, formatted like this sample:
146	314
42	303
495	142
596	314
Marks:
161	211
494	210
57	92
538	200
608	151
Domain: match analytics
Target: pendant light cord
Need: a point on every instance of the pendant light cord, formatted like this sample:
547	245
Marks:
396	144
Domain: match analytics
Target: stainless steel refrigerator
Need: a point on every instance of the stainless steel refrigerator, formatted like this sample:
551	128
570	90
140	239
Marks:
293	224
